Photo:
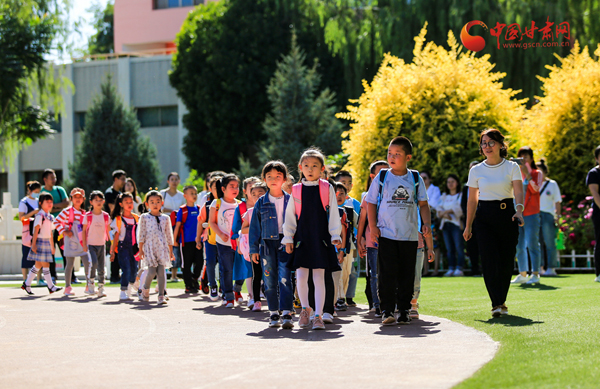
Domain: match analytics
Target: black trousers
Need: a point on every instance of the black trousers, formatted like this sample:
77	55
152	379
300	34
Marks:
596	221
192	261
497	236
114	271
473	251
396	262
328	307
257	275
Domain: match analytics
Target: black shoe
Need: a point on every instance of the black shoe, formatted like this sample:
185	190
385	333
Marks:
377	312
288	324
189	290
350	302
27	289
275	321
388	319
54	289
404	318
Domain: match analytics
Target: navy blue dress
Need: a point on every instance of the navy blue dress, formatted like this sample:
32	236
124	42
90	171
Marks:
312	242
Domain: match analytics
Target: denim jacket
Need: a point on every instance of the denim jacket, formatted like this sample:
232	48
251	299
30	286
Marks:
264	224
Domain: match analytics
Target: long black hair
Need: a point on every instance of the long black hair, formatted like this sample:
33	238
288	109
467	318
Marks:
118	209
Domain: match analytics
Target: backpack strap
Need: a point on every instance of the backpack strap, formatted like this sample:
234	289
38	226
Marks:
382	176
243	208
324	192
297	195
415	176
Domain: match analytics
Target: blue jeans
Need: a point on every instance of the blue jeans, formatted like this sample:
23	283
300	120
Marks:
211	263
529	240
276	275
548	231
455	245
128	264
226	258
372	259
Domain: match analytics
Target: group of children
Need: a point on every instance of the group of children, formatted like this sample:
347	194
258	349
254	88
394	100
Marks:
285	240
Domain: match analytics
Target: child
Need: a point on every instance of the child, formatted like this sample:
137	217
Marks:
266	234
350	271
156	242
339	275
220	221
394	200
287	186
366	244
256	192
310	235
191	256
42	249
69	224
242	269
124	224
28	208
207	236
96	233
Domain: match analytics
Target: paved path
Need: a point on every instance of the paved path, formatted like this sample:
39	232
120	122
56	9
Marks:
54	341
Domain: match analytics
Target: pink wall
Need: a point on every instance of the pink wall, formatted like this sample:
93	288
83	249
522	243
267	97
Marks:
136	23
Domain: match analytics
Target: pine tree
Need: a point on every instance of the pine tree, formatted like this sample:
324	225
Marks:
300	118
111	140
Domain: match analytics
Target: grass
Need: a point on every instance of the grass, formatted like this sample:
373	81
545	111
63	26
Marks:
550	339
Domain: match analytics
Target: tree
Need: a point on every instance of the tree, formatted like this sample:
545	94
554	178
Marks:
102	42
111	140
29	30
227	53
441	102
300	116
565	125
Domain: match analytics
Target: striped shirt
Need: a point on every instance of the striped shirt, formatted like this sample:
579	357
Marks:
62	220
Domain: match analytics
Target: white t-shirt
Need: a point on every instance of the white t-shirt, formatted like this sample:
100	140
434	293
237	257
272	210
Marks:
224	218
34	203
113	226
47	226
97	231
450	202
494	182
433	196
172	202
279	203
398	216
549	197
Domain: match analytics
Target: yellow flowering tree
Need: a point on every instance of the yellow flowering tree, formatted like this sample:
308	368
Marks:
565	125
441	102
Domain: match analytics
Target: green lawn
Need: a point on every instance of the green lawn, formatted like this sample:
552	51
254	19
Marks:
551	339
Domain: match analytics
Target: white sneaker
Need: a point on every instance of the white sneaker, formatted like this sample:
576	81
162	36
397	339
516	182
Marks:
101	291
597	279
549	273
250	303
449	273
458	273
496	312
123	295
519	280
327	318
535	279
90	289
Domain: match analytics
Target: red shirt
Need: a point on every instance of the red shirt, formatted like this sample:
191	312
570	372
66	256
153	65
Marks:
532	193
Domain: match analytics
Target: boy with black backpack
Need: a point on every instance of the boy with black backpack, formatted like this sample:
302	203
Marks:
395	198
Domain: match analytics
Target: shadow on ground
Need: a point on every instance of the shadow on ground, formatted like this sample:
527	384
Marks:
511	321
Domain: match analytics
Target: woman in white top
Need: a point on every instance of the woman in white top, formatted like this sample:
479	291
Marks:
173	199
493	186
450	213
131	187
550	208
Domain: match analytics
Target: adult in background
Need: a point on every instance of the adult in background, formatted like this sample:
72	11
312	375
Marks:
131	187
550	207
529	234
110	196
61	201
450	214
433	194
173	199
593	182
493	186
472	248
28	208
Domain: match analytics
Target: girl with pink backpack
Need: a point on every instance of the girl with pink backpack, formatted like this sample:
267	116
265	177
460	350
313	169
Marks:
96	228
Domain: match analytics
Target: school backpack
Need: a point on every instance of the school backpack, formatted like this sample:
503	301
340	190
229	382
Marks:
119	222
184	216
323	192
70	222
243	208
349	212
90	217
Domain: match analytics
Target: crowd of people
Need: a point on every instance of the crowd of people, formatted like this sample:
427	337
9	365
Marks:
285	240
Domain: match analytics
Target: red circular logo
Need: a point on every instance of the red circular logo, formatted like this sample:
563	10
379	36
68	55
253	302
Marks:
472	42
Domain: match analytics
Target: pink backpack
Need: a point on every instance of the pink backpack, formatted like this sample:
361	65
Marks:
90	217
323	191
